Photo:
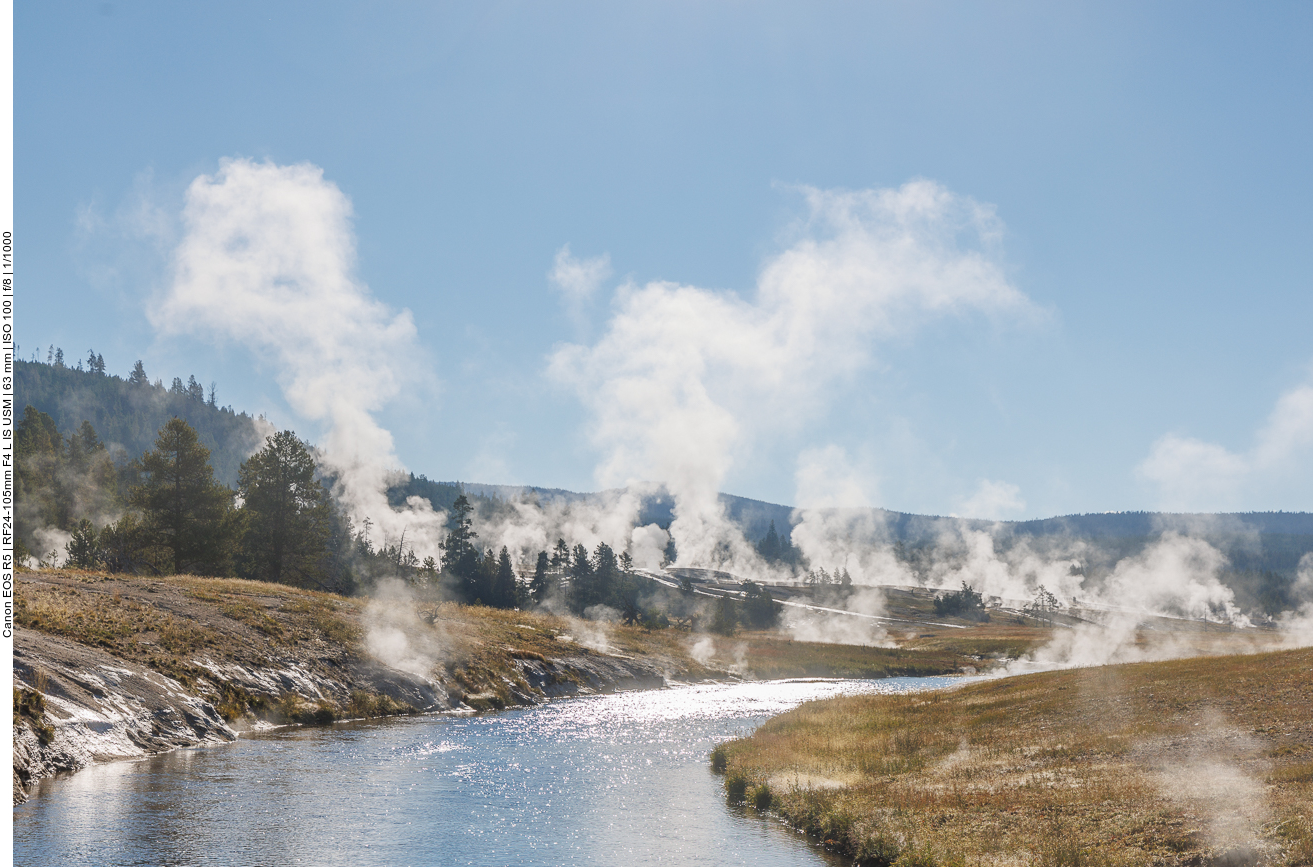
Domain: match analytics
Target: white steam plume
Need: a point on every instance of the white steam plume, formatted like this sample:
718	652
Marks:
1176	576
530	524
684	378
835	528
1297	625
267	260
395	635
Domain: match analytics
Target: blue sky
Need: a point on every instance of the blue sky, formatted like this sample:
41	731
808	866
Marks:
1144	169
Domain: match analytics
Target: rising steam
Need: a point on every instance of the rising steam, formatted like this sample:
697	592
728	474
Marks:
680	384
685	378
267	260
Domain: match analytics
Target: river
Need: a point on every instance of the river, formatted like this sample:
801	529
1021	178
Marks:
610	780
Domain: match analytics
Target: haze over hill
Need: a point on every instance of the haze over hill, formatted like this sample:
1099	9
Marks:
1221	566
127	416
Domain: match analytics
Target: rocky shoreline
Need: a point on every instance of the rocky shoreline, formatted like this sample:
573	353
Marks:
98	708
108	668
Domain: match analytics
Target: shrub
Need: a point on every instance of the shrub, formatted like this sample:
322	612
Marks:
965	603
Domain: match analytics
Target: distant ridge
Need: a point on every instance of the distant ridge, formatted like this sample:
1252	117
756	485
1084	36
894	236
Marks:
128	415
755	516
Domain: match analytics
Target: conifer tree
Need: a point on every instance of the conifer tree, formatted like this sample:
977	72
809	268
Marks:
287	515
581	579
504	590
459	555
540	585
186	511
561	557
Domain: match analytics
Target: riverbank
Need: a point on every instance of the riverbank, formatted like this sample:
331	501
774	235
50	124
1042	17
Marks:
110	666
1205	761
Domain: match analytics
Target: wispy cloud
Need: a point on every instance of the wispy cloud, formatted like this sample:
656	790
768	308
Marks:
579	279
1190	474
993	500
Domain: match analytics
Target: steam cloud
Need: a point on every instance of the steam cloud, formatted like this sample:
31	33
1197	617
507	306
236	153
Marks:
267	260
682	381
685	378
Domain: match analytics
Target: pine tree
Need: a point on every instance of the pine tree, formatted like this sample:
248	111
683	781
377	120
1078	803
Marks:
606	575
561	557
286	513
726	619
581	579
459	555
759	607
540	586
82	549
769	547
185	509
504	590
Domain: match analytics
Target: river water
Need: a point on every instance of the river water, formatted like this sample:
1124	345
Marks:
610	780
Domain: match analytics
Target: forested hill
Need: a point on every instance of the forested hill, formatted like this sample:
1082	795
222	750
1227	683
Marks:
129	413
1114	524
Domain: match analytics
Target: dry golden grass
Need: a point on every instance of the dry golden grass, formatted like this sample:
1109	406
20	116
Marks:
172	624
1192	761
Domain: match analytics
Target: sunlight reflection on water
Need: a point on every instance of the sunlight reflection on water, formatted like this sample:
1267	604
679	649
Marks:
604	780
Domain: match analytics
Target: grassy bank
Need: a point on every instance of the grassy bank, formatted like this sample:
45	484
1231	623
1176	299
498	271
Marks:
174	625
1197	761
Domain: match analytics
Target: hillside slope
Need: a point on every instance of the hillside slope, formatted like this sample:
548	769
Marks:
127	416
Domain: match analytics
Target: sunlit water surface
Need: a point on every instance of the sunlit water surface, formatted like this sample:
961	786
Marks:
608	780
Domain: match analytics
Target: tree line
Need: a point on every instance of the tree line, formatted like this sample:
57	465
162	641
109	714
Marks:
167	513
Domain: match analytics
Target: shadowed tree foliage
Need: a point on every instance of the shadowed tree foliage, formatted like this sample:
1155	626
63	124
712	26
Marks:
966	602
540	586
131	411
286	515
59	483
460	557
760	610
505	592
186	511
582	592
726	619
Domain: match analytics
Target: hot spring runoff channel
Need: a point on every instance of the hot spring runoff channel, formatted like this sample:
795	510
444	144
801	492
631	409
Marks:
605	780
